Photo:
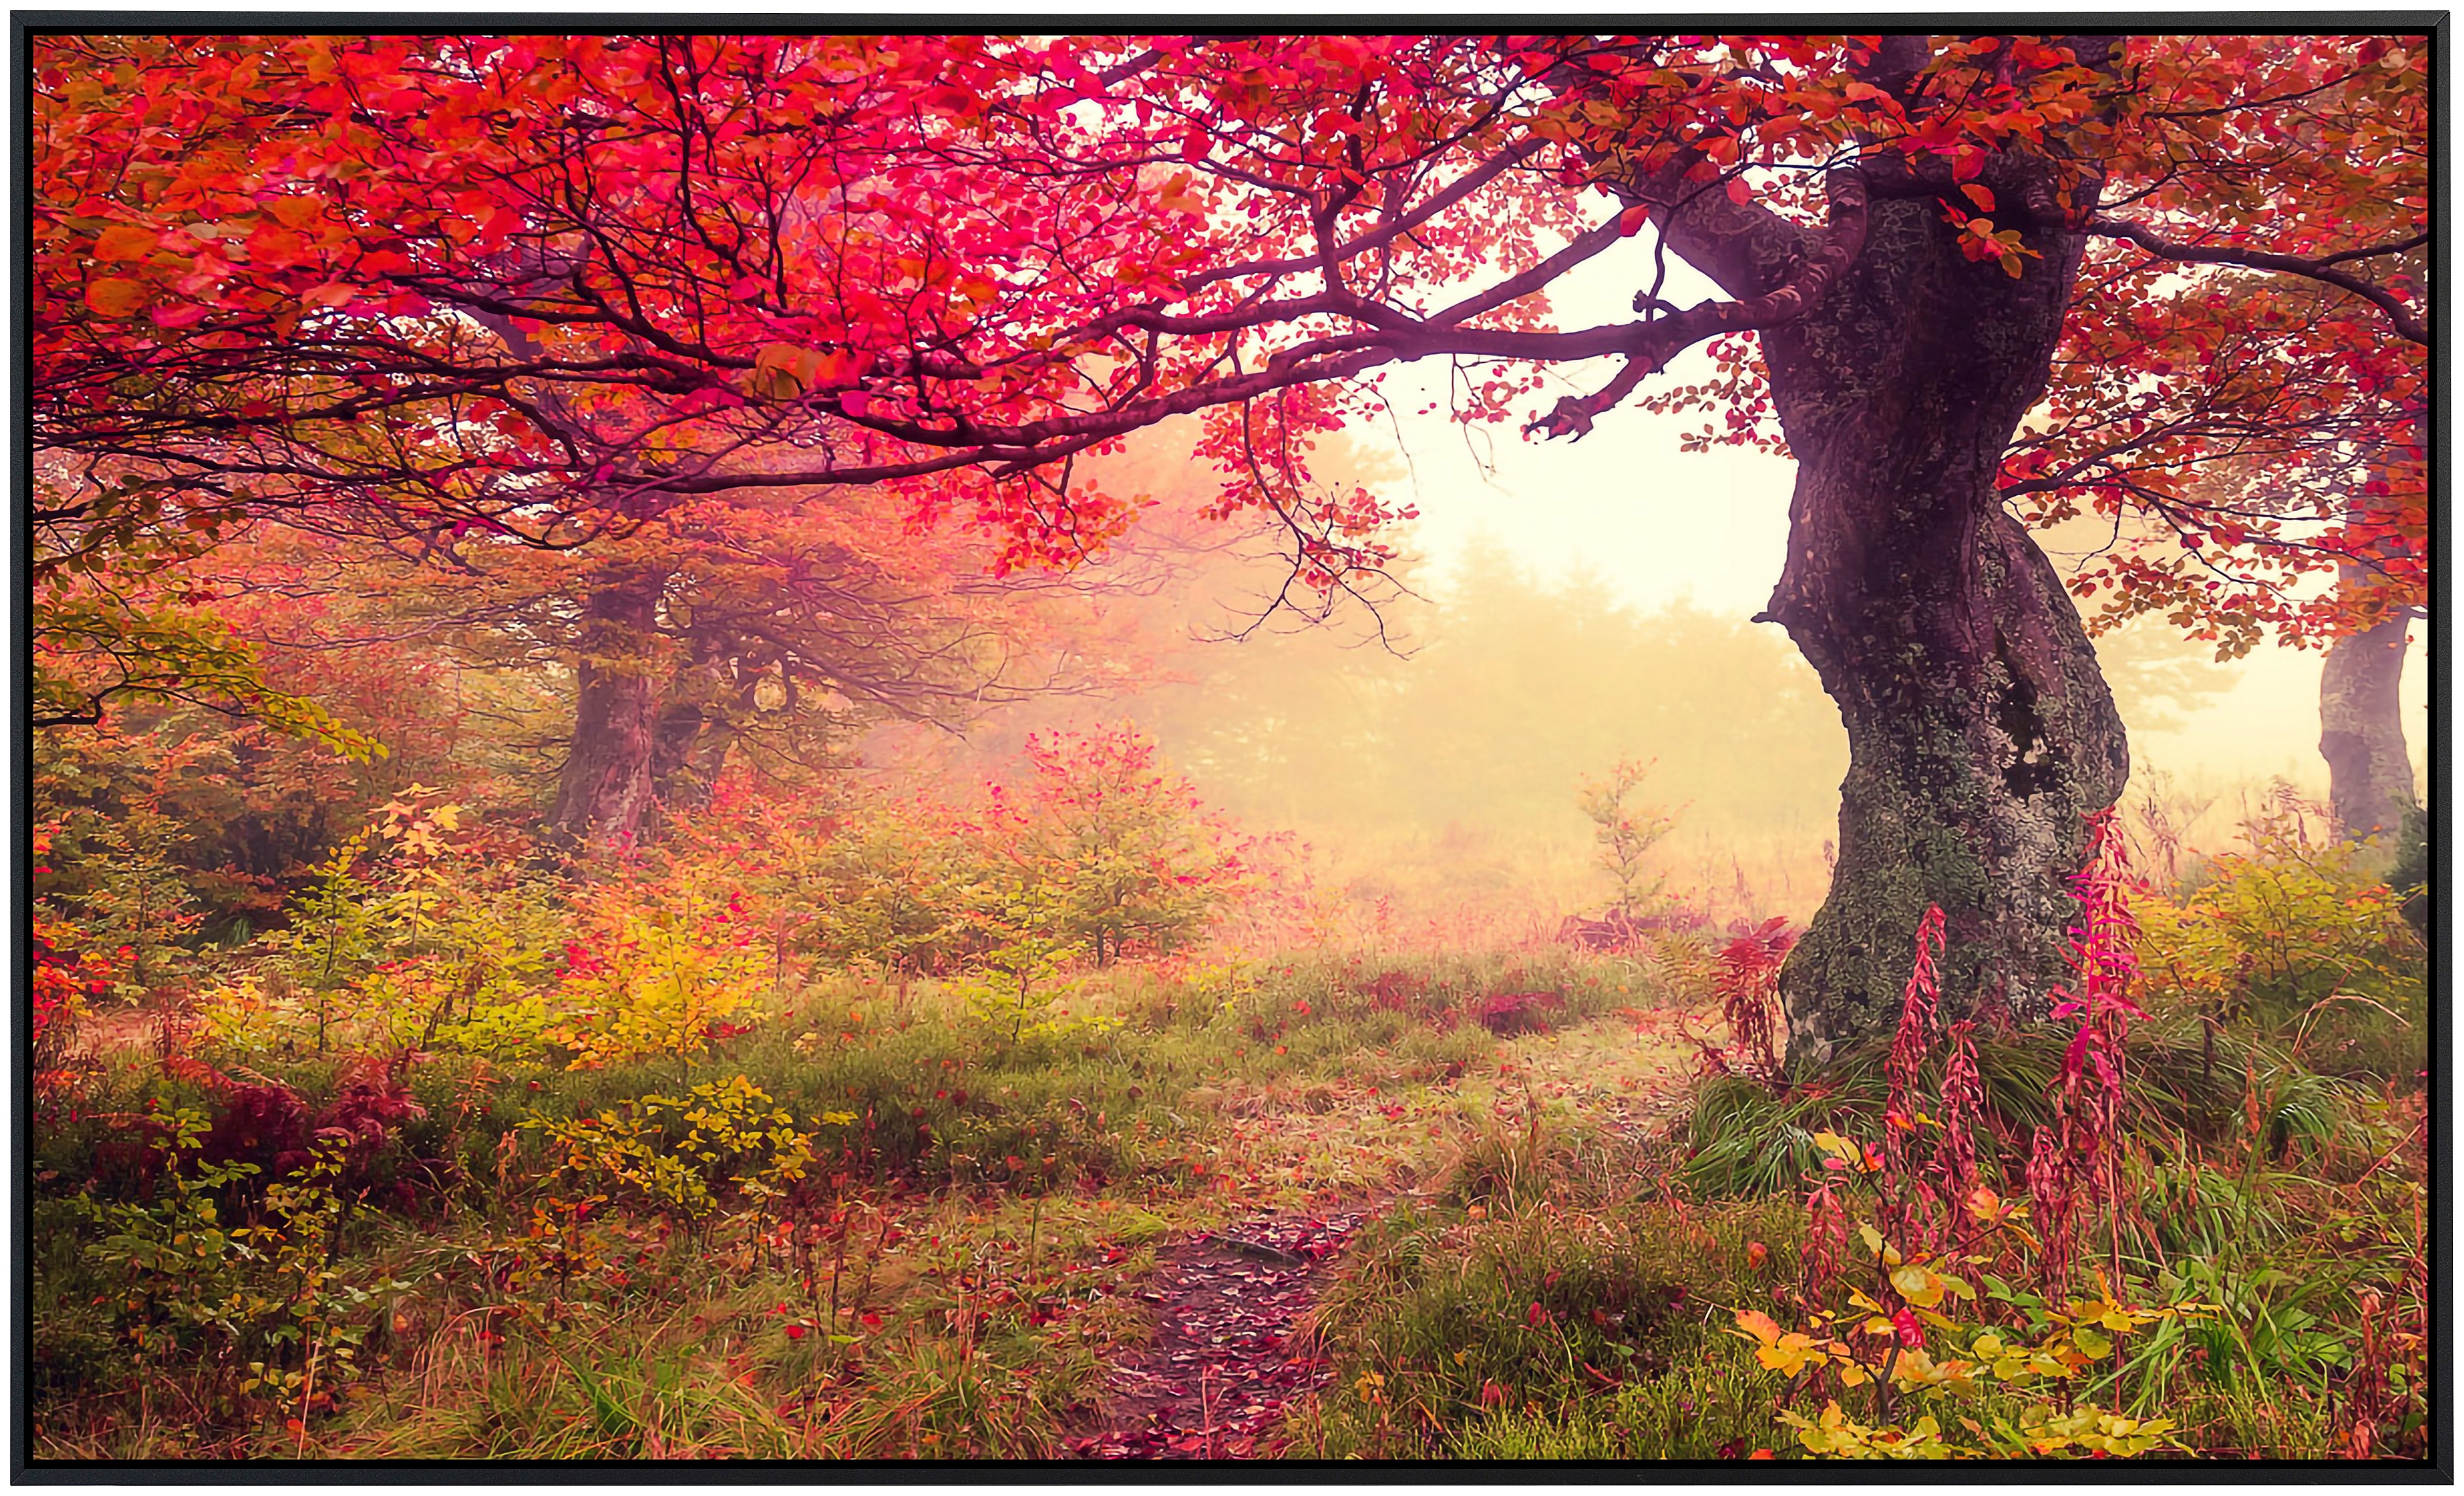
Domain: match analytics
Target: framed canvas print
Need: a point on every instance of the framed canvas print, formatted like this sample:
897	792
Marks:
1086	749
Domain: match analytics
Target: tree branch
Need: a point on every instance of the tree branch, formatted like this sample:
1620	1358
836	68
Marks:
1664	338
2408	326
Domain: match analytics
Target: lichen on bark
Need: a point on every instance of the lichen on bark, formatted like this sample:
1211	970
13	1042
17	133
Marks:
1981	733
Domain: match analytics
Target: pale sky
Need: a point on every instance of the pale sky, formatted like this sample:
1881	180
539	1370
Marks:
1658	525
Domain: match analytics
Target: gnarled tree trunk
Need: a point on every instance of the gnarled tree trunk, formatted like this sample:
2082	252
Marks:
2361	731
606	787
1980	729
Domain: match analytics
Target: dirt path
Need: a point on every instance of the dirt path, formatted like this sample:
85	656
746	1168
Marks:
1221	1368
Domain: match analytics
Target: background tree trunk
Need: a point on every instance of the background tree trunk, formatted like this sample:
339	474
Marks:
1980	729
607	786
691	746
2361	731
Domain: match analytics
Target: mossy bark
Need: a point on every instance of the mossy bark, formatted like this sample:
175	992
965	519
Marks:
1980	730
2361	731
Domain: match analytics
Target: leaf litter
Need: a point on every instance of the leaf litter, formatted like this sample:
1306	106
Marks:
1229	1352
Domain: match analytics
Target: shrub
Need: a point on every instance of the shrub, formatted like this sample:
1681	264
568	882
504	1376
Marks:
66	974
2277	931
1625	832
659	970
422	932
1097	854
1141	864
267	1293
2409	877
683	1156
2294	938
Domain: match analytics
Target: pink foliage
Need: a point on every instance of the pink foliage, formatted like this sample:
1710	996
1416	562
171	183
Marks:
1918	1021
2084	1158
1962	1099
2104	966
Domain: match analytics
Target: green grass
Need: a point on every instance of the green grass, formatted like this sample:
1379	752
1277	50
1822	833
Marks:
1551	1270
1547	1330
1025	1174
2186	1084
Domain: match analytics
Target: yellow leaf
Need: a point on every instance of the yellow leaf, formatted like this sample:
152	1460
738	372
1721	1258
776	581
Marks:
1781	1350
1917	1286
1758	1326
1791	1355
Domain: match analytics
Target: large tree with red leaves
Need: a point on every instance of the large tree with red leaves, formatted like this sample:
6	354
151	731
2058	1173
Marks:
552	289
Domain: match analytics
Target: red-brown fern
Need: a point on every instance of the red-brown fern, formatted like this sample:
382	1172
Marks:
1747	984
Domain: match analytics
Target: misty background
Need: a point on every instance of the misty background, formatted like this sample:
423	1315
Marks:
1558	606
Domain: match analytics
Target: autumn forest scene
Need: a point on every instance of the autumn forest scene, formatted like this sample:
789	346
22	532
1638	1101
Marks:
1269	748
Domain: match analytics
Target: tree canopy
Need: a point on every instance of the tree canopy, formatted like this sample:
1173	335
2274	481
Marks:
553	286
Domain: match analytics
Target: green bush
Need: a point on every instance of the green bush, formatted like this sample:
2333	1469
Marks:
2299	942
